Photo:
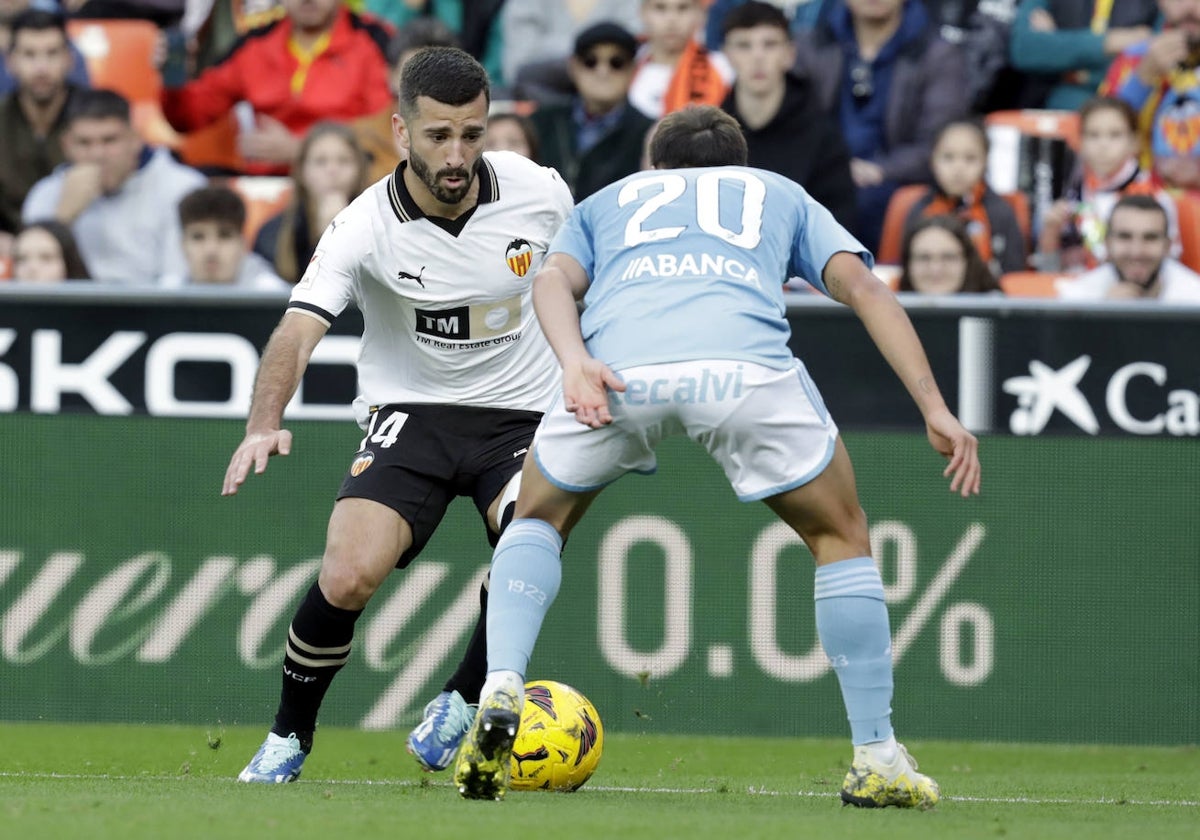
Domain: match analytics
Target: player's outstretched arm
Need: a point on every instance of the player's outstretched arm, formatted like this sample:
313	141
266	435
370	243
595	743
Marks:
283	363
849	281
586	380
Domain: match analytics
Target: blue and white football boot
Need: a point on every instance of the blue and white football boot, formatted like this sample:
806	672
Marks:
277	761
435	740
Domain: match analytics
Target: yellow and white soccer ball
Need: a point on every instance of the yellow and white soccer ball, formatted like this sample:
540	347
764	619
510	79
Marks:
560	740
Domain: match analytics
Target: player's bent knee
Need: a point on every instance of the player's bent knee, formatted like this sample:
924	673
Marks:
346	585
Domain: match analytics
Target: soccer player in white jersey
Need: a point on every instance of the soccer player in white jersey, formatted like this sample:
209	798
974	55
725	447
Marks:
453	373
684	332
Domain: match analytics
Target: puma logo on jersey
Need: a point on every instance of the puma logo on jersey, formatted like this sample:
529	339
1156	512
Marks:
404	275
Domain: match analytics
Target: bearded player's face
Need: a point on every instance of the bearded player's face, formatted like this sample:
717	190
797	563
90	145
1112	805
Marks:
445	145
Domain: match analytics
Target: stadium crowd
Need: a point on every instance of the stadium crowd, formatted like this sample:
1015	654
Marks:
974	145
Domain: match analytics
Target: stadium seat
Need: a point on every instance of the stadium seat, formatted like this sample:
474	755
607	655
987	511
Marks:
1019	202
1033	122
1188	207
1029	284
891	241
119	55
1032	151
264	195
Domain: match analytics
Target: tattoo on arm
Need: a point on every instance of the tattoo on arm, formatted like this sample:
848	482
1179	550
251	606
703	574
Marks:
834	285
926	385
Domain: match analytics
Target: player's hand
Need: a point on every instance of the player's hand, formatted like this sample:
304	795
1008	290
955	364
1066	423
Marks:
254	451
949	438
585	391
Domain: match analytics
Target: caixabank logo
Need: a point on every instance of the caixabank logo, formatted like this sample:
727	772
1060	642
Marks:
1138	398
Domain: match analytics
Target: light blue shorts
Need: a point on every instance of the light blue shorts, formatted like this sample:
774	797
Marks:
767	428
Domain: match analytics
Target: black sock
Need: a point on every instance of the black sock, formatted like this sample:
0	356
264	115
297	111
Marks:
318	646
472	670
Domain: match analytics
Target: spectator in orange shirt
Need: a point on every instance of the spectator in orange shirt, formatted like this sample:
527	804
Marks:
320	62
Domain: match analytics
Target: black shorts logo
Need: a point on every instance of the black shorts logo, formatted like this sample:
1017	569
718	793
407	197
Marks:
445	323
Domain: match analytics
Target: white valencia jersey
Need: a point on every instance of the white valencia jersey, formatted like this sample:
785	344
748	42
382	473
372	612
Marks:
447	306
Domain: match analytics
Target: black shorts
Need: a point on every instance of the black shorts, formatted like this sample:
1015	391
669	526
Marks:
417	458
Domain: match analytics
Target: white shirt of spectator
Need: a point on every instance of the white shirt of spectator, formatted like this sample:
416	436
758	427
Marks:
649	86
131	237
448	319
1178	282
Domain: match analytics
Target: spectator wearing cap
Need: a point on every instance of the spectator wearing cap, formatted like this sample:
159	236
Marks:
596	138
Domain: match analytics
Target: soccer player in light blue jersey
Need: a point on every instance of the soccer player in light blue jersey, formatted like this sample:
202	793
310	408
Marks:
685	333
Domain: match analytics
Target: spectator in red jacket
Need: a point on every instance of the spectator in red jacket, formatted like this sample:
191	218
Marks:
320	62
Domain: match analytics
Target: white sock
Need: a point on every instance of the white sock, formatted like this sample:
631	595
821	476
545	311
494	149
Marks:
884	752
509	681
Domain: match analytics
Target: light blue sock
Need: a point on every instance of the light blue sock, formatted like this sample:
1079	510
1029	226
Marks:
526	572
852	622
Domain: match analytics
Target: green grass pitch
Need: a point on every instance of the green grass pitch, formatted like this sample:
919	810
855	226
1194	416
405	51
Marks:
125	782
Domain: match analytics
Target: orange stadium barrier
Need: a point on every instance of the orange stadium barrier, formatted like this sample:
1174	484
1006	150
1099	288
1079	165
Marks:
1038	284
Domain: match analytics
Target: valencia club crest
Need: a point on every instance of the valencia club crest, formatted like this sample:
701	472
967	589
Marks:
519	255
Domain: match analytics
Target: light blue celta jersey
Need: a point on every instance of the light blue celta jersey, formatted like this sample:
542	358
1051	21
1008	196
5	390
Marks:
690	263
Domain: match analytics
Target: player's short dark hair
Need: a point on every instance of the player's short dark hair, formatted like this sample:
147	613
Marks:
754	13
444	74
98	104
1145	203
213	204
417	33
35	20
1108	103
698	135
